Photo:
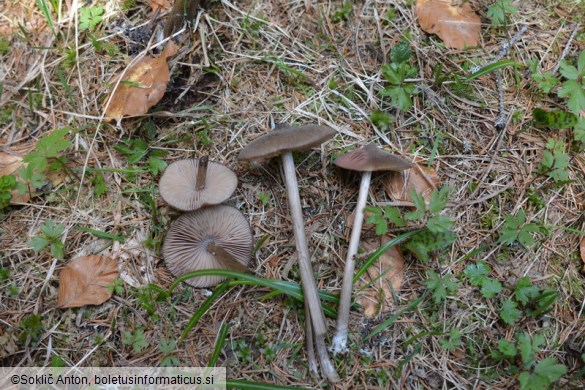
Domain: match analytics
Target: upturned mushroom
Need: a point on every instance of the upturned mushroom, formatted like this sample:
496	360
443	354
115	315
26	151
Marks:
217	237
366	160
283	140
190	184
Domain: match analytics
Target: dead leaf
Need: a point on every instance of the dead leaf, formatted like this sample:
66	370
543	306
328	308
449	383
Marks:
454	22
582	250
85	280
386	276
399	189
143	85
158	6
10	163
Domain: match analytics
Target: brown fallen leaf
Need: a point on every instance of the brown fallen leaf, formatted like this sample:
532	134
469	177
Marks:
143	85
386	275
10	163
453	21
158	6
85	280
396	187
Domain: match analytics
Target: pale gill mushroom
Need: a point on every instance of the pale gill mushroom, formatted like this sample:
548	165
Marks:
366	160
283	140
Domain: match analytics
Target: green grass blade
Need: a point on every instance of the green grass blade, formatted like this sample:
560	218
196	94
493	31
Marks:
238	278
203	309
493	67
291	289
246	385
100	234
376	255
393	318
219	343
42	4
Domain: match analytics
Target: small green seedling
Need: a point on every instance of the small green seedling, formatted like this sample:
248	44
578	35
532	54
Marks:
7	184
136	340
50	232
398	89
477	274
556	119
32	326
47	157
90	17
515	229
574	85
453	341
521	354
499	12
438	233
441	286
555	161
167	347
527	300
116	287
342	13
137	150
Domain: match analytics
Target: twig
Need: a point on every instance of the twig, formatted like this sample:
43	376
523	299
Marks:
567	48
504	50
501	121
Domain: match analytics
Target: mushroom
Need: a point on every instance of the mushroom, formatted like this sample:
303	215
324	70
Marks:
366	160
190	184
217	237
283	140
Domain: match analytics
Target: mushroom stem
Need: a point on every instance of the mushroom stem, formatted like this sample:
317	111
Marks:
313	368
339	343
202	173
327	366
307	280
310	294
225	258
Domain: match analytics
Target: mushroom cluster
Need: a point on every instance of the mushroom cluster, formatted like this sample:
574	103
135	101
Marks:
209	235
212	236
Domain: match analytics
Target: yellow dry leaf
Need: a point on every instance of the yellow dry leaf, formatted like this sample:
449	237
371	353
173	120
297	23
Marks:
453	21
385	276
399	184
85	280
142	86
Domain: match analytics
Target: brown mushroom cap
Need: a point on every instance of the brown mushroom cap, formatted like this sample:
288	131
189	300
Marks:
192	239
286	138
370	158
178	185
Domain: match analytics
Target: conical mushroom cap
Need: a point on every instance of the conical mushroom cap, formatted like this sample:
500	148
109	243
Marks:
371	158
286	138
178	185
187	246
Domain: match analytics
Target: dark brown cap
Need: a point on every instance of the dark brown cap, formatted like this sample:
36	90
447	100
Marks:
371	158
286	138
178	185
217	237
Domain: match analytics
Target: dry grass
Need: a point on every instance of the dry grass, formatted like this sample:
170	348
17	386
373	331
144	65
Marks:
288	61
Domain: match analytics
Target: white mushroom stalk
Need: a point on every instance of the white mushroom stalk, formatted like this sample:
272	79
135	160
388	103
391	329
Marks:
281	141
365	160
339	342
310	292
